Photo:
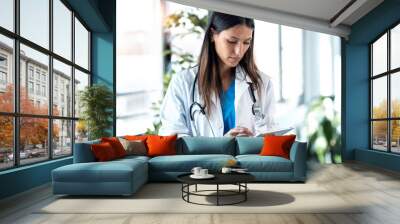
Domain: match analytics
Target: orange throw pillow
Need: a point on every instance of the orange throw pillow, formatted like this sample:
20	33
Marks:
277	145
116	145
103	151
161	145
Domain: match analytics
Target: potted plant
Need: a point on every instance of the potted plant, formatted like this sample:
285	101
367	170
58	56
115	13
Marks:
96	103
323	127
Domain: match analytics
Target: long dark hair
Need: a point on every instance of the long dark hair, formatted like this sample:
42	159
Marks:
209	79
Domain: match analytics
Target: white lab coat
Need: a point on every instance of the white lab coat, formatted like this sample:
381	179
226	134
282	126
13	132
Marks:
175	115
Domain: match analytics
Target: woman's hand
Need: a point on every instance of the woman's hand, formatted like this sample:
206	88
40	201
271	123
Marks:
239	131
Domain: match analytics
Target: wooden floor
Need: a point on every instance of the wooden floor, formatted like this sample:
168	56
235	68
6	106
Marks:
377	188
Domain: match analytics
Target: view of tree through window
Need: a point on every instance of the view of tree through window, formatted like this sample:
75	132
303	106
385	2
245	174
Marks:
385	94
38	125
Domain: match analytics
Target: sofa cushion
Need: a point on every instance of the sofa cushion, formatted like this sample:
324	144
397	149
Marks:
111	171
249	145
206	145
278	146
134	147
257	163
116	145
185	163
161	145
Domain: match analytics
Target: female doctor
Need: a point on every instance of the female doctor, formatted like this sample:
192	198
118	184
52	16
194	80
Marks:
225	94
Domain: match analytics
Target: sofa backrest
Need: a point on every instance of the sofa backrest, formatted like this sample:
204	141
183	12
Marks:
206	145
83	152
249	145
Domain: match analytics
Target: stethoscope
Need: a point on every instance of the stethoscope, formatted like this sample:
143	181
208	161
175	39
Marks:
202	110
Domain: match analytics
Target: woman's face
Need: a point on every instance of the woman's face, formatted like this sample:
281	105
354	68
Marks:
231	44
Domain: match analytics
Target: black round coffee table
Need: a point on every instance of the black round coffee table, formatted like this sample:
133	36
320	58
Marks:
238	179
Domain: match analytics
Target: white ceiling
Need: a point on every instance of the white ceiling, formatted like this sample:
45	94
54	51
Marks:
314	15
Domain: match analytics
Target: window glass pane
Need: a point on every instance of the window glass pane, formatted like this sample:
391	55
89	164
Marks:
6	142
379	98
62	29
379	55
62	137
34	97
395	47
35	21
379	135
81	81
395	138
292	63
7	14
62	89
395	94
33	139
81	131
81	45
6	74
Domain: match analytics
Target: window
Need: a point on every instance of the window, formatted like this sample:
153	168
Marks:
35	21
6	73
30	87
37	75
3	72
81	81
7	14
385	94
30	72
81	45
62	29
61	74
43	77
44	91
3	78
38	89
3	61
53	125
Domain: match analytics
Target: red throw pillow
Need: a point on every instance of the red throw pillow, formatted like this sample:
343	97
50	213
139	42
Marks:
116	145
103	151
161	145
277	145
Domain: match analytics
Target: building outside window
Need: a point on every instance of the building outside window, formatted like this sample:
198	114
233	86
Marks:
34	78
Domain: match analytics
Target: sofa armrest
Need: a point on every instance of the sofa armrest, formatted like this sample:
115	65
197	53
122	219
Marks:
298	155
83	152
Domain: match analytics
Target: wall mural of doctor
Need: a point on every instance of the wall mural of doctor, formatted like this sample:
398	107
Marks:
225	94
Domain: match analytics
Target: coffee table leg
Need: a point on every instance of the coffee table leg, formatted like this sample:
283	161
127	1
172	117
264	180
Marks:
217	194
196	188
245	191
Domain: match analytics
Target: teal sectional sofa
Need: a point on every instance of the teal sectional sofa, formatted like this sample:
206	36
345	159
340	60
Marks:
125	176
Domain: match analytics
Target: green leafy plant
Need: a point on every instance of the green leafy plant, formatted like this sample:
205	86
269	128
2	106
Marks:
96	102
323	128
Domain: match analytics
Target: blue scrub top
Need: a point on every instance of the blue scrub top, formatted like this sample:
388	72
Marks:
227	99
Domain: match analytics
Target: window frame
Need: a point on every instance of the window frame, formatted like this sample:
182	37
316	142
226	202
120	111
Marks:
388	74
16	114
